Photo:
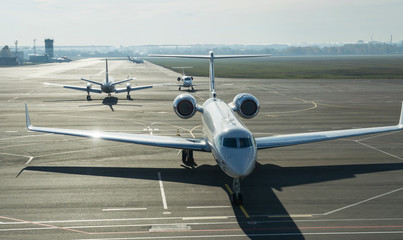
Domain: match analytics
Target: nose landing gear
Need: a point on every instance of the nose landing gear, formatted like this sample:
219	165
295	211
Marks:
236	197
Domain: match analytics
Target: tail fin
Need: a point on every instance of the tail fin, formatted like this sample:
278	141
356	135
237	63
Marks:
107	73
27	119
211	58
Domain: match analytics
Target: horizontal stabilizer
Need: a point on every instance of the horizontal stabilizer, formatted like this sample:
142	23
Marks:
123	81
90	81
209	56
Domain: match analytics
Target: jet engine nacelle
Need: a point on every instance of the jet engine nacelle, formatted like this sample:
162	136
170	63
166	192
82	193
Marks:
246	105
179	78
185	106
89	86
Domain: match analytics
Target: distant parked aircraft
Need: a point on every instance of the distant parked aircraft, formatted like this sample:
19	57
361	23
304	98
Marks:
135	60
107	86
187	80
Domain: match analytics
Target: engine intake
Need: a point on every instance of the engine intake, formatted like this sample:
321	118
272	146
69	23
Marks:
185	106
246	105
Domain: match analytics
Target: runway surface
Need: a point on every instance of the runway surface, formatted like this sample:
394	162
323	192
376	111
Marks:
77	188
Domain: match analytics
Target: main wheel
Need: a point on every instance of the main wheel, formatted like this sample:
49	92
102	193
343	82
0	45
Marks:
88	98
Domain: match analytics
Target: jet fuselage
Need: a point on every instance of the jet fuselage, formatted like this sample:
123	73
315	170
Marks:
107	86
232	144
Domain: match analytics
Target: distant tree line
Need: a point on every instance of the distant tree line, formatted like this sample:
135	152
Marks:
359	48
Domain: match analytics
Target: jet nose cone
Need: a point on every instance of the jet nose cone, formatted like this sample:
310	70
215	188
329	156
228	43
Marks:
242	163
243	170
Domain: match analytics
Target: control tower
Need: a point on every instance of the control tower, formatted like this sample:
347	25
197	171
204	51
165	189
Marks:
49	47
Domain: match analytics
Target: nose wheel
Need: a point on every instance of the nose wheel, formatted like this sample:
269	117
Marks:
128	97
236	197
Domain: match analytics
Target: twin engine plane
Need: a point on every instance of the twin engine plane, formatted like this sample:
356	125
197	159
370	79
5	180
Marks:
231	143
107	86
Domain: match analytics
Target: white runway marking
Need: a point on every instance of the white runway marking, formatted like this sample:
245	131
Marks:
164	200
367	200
30	159
12	99
16	155
204	218
376	149
123	209
250	235
206	207
36	135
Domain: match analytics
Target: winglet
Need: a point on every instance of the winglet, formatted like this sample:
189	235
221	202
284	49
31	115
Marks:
401	117
28	120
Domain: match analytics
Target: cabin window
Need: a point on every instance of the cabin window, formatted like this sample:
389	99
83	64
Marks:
229	142
245	142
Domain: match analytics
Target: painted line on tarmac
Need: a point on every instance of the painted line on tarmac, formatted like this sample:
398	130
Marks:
42	224
204	218
164	200
15	155
249	235
358	203
379	150
376	136
123	209
29	160
206	207
240	206
290	216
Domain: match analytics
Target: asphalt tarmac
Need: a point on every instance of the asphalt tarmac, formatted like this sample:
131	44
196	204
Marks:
63	187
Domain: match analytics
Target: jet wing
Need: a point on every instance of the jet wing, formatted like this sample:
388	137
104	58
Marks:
300	138
75	87
151	140
119	90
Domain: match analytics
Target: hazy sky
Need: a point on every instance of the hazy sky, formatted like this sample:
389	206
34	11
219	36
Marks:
138	22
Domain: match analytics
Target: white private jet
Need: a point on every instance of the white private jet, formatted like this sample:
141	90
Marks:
232	145
187	80
135	60
107	86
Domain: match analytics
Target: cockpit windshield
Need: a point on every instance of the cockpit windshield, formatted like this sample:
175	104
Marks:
245	142
229	142
237	142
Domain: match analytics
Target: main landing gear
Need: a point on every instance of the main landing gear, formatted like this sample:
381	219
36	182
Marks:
187	158
88	97
128	97
236	197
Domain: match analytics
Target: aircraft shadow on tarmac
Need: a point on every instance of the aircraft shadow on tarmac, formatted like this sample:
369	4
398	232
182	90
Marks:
110	101
257	188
